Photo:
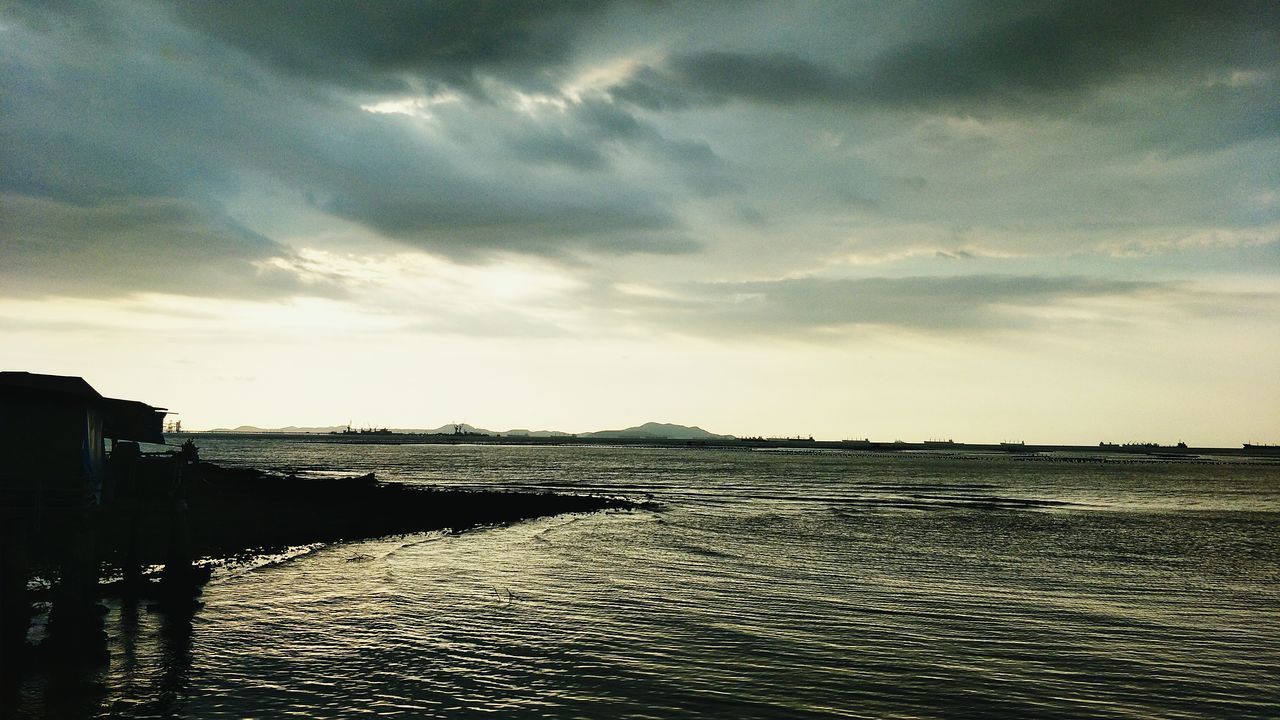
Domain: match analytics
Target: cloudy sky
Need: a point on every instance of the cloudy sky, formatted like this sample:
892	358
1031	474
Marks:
989	221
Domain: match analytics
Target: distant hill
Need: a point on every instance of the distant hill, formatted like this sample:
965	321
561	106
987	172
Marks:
522	432
448	430
653	430
442	430
660	431
289	429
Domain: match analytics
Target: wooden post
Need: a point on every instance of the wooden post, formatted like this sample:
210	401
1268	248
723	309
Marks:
75	622
125	472
179	580
15	605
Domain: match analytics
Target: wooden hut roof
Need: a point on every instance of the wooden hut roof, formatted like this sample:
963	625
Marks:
122	419
51	388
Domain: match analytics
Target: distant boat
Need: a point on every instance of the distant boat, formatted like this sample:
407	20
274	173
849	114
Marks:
1145	447
365	431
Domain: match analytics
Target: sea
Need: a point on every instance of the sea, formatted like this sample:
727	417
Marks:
759	584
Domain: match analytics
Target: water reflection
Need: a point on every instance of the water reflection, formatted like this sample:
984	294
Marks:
145	674
176	631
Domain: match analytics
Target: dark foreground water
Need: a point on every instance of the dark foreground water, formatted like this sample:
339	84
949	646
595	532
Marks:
770	585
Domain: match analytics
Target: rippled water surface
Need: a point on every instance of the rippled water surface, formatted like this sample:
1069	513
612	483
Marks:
768	584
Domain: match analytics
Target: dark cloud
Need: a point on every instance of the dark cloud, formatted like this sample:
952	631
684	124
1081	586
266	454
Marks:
782	78
803	306
1071	46
487	220
139	125
125	131
384	175
692	161
1004	55
396	45
1239	107
486	130
142	245
652	89
560	149
610	121
589	129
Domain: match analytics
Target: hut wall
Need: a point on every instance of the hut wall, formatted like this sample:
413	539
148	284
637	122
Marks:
52	453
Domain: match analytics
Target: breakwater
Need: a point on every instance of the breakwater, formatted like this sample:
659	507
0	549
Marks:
159	539
232	511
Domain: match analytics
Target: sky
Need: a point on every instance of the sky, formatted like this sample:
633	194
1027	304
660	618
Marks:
987	221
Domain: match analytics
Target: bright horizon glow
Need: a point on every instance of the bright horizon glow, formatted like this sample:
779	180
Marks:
312	365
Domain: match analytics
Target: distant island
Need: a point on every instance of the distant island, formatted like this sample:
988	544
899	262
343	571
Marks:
649	430
660	431
671	434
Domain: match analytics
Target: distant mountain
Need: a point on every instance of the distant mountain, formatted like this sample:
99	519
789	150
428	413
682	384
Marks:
442	430
659	431
448	430
289	429
651	430
522	432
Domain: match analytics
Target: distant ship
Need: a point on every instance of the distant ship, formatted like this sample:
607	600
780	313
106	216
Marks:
1142	446
365	431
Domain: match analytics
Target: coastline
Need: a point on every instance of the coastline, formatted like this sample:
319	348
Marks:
1145	452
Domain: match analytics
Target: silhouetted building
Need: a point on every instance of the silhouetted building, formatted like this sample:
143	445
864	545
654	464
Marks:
52	437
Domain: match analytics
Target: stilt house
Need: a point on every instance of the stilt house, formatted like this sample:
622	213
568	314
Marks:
53	430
